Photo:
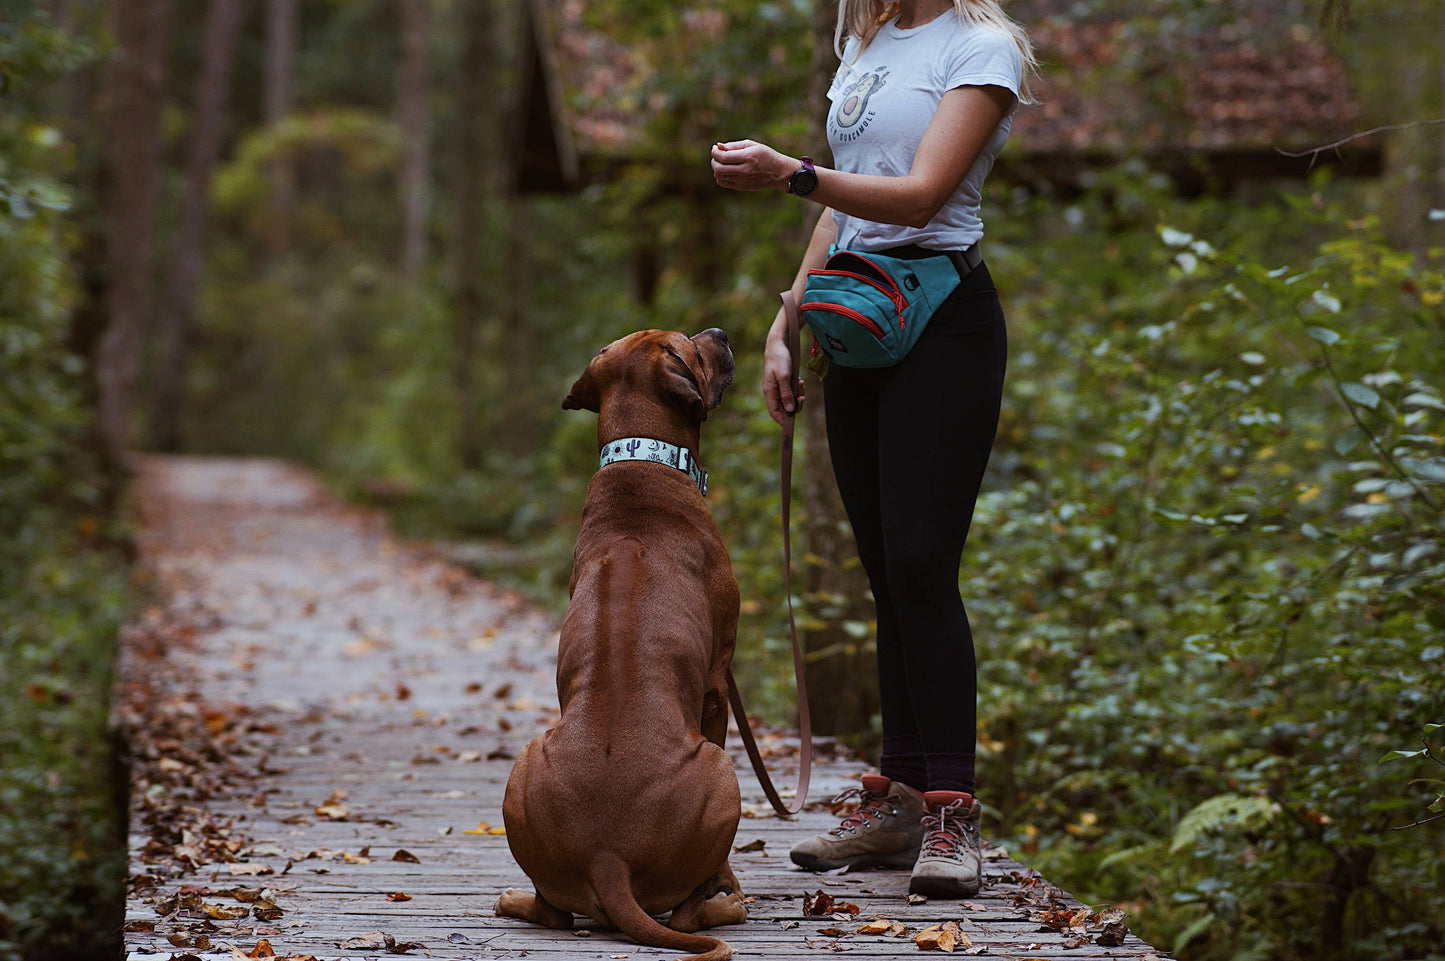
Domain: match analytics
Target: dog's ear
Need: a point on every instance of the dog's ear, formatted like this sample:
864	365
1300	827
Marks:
684	384
585	394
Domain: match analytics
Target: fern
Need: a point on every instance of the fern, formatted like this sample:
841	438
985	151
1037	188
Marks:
1126	857
1225	810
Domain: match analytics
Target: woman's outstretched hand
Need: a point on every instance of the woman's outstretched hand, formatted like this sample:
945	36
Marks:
749	165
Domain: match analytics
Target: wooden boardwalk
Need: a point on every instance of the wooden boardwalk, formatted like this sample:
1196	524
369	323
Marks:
322	722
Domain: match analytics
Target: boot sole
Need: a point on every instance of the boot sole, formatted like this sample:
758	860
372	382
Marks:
934	887
810	862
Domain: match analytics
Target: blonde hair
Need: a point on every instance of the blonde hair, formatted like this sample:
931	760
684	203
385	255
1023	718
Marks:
861	19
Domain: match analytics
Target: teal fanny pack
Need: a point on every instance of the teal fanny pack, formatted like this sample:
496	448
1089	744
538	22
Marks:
868	309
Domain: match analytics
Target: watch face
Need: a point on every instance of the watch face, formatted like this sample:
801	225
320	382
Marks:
803	182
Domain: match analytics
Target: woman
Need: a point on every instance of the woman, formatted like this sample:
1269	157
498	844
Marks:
921	105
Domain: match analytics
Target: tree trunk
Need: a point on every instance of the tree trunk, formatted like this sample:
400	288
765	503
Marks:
131	115
517	431
280	79
476	127
412	118
843	667
1440	131
223	27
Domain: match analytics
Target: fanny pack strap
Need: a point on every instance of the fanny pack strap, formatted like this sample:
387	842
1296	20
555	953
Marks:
964	262
735	698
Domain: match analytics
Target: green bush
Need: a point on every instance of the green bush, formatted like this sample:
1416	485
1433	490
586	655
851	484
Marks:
62	852
1208	579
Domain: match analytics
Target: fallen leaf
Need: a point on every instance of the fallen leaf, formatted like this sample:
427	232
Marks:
942	937
885	927
833	932
750	847
402	854
399	896
244	895
482	828
1104	918
918	899
252	868
1113	934
817	905
222	913
370	941
332	808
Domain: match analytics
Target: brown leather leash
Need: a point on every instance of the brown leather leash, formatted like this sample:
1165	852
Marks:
805	722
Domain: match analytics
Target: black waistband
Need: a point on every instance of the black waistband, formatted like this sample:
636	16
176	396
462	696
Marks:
966	261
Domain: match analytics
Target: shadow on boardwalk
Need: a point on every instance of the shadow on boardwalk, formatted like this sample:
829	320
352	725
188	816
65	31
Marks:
322	721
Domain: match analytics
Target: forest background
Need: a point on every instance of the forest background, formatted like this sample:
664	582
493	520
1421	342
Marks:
1206	571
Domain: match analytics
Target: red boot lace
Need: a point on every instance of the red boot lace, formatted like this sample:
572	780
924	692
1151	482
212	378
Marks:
873	805
946	831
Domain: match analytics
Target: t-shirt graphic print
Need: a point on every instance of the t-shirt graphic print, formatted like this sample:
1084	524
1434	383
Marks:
851	115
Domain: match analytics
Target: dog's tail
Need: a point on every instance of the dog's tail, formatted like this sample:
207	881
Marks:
612	887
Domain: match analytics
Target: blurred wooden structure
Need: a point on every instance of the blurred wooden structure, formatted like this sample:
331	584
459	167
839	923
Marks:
548	160
1208	102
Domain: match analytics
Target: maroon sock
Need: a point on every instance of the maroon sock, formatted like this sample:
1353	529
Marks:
903	761
950	772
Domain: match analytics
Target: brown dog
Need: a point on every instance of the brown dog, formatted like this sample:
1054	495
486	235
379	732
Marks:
628	807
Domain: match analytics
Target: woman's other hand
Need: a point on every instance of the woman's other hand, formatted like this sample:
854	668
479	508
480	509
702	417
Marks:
783	398
749	165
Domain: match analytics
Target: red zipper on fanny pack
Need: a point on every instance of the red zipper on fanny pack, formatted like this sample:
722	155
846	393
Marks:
848	312
892	293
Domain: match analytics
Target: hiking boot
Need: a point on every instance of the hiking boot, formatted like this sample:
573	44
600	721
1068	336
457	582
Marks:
885	832
949	865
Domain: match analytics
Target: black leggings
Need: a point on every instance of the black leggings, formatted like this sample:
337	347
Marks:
909	445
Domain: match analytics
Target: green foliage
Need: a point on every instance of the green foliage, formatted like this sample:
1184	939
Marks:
1431	751
1206	575
61	848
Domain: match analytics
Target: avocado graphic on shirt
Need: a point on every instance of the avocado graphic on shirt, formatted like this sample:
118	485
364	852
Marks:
854	102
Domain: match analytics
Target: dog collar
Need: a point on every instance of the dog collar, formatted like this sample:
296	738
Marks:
659	452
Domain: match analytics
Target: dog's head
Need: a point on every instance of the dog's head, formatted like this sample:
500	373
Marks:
689	373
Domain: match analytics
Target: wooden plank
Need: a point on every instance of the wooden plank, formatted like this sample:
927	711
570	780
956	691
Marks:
309	697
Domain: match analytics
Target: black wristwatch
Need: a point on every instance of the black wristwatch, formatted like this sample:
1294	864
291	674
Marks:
805	180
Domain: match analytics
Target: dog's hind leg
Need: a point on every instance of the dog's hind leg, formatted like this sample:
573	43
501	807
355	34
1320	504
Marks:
718	900
534	908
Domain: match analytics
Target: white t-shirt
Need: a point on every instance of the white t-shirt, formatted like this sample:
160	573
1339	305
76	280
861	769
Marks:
884	101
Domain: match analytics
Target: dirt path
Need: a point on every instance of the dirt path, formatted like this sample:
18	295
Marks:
322	722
